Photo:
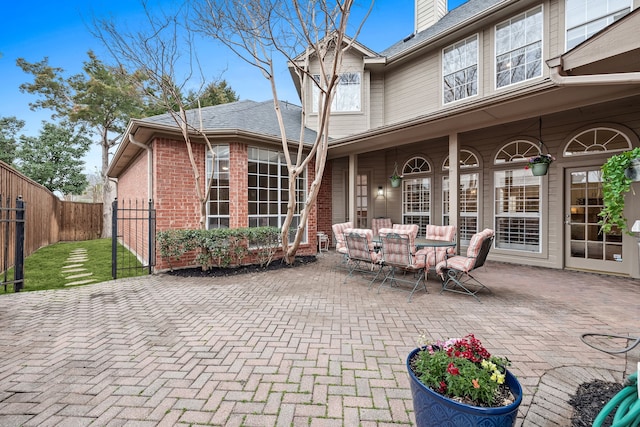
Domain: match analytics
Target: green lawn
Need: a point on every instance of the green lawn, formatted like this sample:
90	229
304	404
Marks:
43	269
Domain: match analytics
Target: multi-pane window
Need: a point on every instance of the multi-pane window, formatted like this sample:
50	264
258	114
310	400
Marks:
468	203
519	48
468	206
218	203
517	198
268	194
362	201
584	18
347	93
460	70
416	194
517	210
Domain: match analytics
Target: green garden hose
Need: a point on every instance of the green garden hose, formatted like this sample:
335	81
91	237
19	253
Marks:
628	404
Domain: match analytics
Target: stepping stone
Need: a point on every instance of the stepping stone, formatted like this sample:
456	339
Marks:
77	276
80	282
77	259
65	267
73	270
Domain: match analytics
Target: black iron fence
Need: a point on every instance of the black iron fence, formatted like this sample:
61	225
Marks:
133	245
12	243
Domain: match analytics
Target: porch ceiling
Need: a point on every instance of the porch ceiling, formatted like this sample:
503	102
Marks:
541	100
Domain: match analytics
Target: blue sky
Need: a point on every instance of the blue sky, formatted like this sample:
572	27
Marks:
58	30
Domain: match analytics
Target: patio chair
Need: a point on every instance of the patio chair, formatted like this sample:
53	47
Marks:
404	264
378	223
361	253
410	229
439	232
341	246
456	271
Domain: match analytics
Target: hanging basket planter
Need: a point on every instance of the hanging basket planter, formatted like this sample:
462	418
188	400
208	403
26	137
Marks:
539	164
539	169
395	178
633	171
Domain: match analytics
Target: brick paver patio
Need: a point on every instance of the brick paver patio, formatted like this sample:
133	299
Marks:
292	348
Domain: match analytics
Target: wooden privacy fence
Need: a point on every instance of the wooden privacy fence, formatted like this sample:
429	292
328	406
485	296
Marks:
48	219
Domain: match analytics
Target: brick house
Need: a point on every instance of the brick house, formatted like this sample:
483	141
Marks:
458	107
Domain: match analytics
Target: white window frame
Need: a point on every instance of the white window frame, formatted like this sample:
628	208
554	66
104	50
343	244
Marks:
346	98
517	199
469	196
522	45
268	188
460	70
589	23
219	194
416	193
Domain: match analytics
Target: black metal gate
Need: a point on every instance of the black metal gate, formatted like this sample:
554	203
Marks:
12	241
133	247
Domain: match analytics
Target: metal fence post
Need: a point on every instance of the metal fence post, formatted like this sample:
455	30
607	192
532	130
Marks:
152	237
114	238
18	274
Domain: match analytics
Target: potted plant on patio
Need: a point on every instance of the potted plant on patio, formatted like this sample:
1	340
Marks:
457	382
539	164
618	173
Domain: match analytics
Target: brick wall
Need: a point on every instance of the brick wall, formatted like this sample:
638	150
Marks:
175	197
324	203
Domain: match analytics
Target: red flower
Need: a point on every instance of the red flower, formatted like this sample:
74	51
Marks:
452	369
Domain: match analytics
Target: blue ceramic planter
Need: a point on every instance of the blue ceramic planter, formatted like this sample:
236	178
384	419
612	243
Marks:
433	409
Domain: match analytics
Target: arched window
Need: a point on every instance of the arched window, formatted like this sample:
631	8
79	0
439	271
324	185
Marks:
416	193
517	198
598	140
467	160
416	165
468	208
517	151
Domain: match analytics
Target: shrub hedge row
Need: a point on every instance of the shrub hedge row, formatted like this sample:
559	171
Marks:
220	247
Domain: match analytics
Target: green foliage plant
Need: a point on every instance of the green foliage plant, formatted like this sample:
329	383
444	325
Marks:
615	184
463	370
219	247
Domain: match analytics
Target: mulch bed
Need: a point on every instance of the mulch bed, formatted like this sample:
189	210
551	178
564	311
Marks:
587	403
589	400
243	269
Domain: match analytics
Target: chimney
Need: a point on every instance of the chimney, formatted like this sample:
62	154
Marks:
428	12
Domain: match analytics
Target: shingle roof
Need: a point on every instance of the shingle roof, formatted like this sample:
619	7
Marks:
248	116
458	15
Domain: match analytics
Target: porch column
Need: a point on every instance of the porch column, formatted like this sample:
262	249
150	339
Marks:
353	173
454	181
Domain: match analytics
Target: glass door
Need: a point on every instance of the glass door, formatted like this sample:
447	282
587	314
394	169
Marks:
586	247
362	201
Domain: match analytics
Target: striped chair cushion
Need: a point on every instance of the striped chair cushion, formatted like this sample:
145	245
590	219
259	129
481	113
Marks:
439	232
338	231
378	223
362	249
400	252
466	263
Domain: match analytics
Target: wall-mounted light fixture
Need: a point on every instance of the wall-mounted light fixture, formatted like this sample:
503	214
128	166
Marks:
380	191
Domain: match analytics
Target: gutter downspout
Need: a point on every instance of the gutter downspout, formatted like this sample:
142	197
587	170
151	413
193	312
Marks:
555	73
149	164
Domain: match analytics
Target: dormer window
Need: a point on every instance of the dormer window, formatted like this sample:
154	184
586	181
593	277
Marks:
347	95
